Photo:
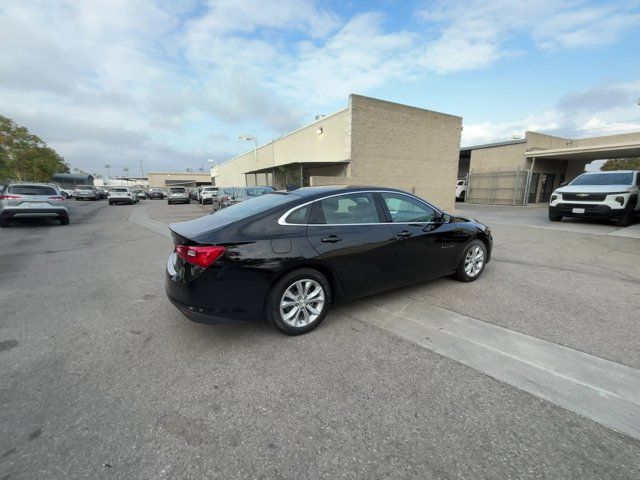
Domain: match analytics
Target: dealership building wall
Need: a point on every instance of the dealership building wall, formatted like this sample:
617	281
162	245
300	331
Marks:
371	142
527	170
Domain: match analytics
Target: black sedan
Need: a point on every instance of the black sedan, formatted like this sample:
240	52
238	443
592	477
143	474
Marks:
288	256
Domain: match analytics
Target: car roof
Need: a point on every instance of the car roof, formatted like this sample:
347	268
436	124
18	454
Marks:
612	171
328	189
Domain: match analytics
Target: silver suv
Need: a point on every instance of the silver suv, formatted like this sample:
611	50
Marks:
178	195
86	192
29	200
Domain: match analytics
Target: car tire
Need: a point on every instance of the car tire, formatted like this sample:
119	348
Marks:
5	223
624	220
64	220
555	218
77	199
286	291
473	261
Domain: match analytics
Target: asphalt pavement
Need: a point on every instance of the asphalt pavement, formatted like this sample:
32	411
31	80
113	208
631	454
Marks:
102	378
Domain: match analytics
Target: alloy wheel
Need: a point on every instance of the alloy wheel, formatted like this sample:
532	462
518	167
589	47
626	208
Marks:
302	303
474	261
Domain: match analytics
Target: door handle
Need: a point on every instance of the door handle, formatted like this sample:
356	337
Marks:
331	239
404	234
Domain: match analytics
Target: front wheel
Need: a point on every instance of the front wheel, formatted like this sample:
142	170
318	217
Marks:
624	220
299	301
64	220
555	218
473	261
4	223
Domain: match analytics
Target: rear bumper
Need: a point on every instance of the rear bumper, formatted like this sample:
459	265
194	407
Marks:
590	210
178	200
121	200
218	294
34	212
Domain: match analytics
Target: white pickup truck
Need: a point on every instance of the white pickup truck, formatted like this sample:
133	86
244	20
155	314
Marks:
611	195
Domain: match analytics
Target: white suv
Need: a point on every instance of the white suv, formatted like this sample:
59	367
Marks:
599	195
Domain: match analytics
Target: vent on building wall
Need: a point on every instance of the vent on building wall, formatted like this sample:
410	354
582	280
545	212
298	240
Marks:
319	117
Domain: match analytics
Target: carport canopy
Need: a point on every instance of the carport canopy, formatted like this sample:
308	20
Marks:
589	153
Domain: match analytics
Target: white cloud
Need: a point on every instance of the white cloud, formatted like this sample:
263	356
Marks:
597	111
466	35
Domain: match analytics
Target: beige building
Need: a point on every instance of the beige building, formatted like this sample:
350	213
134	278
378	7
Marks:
528	170
371	142
186	179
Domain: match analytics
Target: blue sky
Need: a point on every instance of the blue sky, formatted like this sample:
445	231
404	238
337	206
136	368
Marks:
174	83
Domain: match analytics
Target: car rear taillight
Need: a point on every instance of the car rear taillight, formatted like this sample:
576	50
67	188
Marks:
56	197
200	256
10	197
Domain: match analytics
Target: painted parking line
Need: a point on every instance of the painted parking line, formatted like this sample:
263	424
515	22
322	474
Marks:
604	391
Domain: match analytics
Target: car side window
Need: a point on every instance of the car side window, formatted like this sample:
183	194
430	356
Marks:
405	209
299	216
638	179
353	208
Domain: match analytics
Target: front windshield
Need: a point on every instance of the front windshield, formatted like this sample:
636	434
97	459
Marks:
621	178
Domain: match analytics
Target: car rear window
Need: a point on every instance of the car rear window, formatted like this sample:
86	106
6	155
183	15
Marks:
177	190
119	190
252	206
84	187
257	192
32	190
209	189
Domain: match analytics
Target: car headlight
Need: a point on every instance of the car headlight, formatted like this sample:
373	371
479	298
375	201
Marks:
620	200
554	198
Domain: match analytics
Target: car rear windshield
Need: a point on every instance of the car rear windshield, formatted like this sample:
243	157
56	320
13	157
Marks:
84	187
622	178
177	190
119	190
209	189
252	206
257	192
32	190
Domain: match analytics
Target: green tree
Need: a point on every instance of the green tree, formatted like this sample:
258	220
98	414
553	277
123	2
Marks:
622	164
25	156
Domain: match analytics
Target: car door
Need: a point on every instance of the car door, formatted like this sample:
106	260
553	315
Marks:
349	234
423	239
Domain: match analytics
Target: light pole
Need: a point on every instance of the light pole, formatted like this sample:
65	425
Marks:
107	166
251	138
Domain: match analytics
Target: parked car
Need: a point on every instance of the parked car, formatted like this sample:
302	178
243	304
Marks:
207	194
119	195
178	195
220	197
156	193
241	194
140	194
606	195
66	193
461	190
102	193
299	252
29	200
85	192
